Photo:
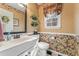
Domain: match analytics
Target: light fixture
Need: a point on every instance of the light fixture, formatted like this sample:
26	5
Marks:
22	4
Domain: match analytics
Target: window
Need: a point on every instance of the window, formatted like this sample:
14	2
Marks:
52	16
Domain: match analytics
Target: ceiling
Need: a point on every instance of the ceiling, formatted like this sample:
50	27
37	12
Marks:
45	4
16	6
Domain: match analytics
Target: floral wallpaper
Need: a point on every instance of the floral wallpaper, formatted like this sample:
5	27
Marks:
66	44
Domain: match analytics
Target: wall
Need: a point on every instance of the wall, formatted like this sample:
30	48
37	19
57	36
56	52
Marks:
66	44
18	14
76	18
31	10
67	20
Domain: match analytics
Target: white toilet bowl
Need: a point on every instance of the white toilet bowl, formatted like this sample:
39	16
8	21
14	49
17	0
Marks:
42	48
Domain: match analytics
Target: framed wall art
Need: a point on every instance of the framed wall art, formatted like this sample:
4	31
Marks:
15	22
52	16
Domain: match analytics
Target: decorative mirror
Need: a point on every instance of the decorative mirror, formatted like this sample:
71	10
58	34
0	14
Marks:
13	17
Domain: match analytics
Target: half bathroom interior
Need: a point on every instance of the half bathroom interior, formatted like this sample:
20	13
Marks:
39	29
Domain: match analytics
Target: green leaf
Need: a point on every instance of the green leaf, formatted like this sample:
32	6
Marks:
34	17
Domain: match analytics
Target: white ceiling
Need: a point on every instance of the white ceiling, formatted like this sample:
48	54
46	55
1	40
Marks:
16	6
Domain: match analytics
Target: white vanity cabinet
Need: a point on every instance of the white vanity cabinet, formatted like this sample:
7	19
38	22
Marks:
19	49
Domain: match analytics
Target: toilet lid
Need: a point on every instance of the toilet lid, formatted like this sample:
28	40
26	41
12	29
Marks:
43	45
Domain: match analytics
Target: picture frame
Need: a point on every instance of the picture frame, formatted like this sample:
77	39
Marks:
15	22
53	22
52	16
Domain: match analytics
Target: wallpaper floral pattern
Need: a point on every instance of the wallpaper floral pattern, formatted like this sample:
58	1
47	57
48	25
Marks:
66	44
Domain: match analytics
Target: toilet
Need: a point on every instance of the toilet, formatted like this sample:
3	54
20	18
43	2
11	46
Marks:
42	48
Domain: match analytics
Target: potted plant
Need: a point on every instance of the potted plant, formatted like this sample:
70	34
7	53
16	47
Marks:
34	24
5	19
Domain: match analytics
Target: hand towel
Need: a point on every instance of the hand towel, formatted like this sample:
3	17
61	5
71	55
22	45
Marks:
1	31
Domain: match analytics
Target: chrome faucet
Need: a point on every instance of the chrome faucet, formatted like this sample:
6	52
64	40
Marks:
8	36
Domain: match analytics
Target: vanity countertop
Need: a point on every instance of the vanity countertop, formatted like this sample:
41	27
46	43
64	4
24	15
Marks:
8	44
